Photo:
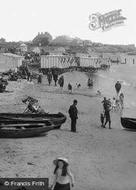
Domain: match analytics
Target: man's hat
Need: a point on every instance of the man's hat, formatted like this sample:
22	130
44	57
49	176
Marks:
60	159
75	101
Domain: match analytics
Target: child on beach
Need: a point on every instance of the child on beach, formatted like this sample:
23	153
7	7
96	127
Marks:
63	178
102	119
113	104
70	88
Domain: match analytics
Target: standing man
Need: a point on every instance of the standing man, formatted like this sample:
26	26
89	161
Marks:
107	116
55	76
61	82
39	79
107	109
73	115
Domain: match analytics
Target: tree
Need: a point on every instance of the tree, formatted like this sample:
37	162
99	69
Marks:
42	39
2	40
76	42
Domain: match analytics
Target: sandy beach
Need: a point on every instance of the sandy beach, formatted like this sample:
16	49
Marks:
100	159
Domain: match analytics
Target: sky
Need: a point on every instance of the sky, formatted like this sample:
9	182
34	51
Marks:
21	20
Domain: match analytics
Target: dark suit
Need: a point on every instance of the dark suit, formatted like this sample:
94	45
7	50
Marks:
73	115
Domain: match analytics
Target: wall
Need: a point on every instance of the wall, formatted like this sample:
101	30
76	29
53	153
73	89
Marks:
9	61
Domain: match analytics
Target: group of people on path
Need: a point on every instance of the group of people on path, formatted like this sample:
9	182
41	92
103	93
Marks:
63	178
52	75
108	106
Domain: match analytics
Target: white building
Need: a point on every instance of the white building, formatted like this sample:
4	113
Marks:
10	61
23	48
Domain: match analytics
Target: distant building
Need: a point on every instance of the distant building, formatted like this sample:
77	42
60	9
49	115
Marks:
87	43
23	48
82	55
93	53
57	51
10	61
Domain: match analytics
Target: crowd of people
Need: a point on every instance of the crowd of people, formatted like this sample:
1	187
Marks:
63	178
54	76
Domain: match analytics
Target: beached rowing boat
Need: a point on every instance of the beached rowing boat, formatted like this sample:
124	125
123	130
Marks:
23	130
128	123
128	119
29	118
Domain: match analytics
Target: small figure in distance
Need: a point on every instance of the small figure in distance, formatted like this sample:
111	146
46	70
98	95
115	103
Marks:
102	119
69	88
78	85
98	93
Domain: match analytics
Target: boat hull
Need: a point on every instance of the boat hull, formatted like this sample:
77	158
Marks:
22	118
23	130
128	123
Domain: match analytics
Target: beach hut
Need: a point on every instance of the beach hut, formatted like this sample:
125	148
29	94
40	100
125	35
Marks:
90	62
128	58
114	57
10	61
57	61
60	61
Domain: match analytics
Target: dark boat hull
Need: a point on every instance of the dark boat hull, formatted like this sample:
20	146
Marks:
128	123
23	130
22	118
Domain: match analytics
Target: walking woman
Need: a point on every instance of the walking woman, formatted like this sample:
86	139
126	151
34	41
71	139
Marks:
63	178
121	99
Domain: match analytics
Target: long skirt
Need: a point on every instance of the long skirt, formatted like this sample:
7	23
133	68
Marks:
59	186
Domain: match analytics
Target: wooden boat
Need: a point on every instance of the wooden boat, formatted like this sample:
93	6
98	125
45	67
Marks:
23	130
128	123
128	119
29	118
